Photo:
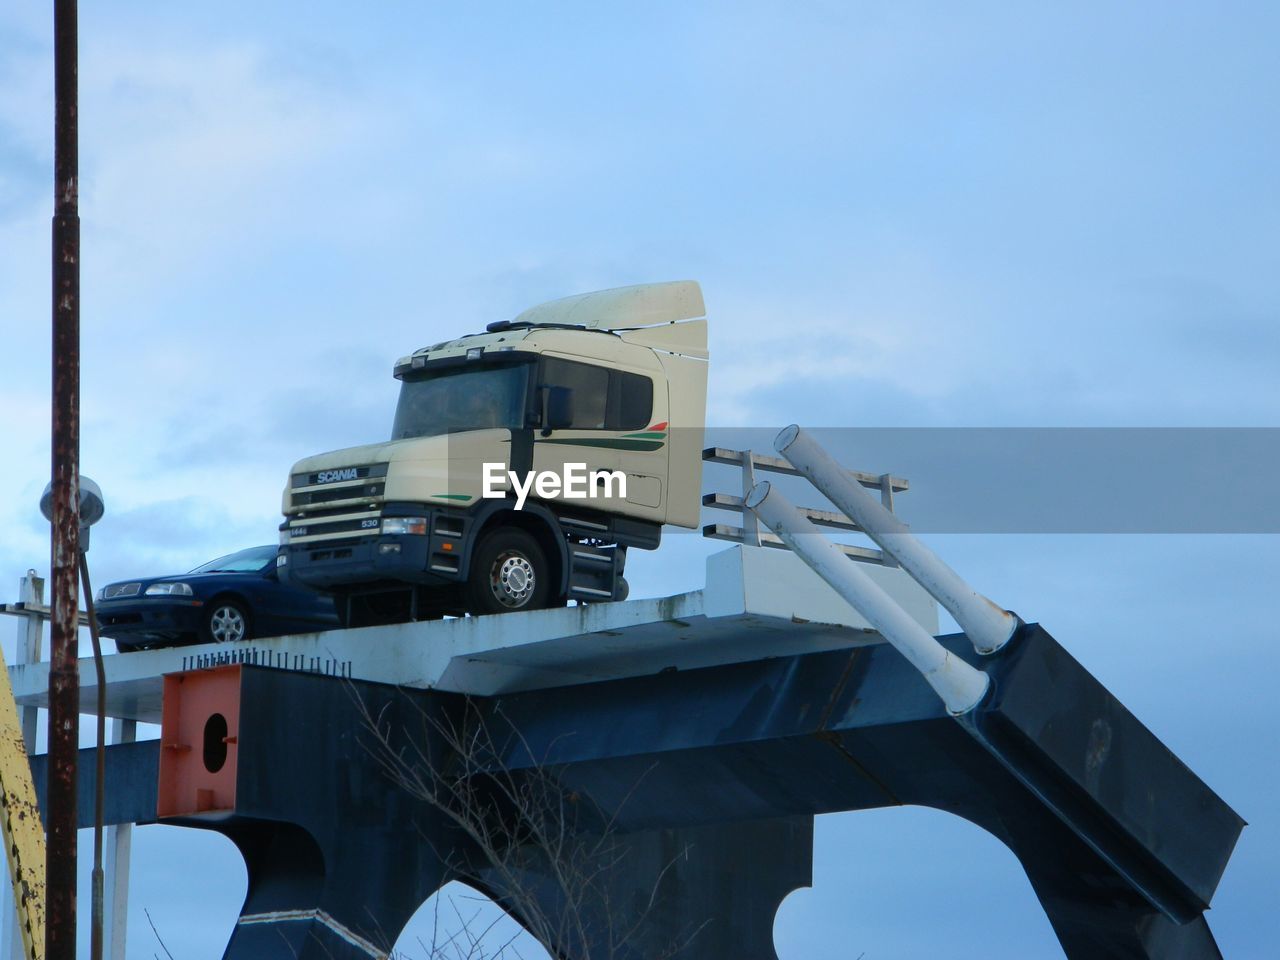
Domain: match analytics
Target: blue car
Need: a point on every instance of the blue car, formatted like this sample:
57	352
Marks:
233	598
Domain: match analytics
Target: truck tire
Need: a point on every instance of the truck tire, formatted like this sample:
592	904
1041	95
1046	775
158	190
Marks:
509	572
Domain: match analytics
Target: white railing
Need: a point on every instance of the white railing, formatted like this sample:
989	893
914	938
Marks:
988	627
749	533
960	685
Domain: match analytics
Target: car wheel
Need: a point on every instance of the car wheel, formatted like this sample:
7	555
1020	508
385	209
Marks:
509	572
225	621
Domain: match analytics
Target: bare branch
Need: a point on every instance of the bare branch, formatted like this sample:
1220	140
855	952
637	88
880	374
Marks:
159	939
546	854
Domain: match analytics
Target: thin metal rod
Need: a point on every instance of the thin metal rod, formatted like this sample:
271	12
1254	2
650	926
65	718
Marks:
750	525
988	626
99	787
960	686
64	678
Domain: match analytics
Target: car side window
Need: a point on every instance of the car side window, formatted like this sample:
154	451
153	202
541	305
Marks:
603	399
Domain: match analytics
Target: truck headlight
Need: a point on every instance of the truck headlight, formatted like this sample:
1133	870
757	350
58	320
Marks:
415	525
168	590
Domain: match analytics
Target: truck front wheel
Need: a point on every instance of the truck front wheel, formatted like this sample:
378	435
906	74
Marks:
509	572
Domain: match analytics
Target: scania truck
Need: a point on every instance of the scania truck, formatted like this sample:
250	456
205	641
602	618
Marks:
523	463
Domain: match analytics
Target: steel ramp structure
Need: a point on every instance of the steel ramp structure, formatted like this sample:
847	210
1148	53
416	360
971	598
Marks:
695	736
756	603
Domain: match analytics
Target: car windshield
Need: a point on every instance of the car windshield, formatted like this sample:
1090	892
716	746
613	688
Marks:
246	561
456	399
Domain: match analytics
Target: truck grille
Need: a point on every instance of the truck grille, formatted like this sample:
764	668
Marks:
333	526
337	485
310	498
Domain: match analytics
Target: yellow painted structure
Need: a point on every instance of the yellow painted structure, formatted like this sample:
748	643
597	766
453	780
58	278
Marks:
20	824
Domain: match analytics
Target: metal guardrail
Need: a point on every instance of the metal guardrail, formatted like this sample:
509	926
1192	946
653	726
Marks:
749	533
961	687
988	626
38	610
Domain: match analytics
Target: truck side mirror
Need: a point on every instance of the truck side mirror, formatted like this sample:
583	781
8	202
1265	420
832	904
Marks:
559	409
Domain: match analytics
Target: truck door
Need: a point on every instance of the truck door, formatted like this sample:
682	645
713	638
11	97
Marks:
614	428
586	440
640	416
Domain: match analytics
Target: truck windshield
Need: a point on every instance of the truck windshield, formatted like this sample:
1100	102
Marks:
455	399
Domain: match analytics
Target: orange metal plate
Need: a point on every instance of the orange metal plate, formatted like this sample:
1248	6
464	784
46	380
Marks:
199	736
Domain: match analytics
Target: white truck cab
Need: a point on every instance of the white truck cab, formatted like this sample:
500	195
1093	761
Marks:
523	462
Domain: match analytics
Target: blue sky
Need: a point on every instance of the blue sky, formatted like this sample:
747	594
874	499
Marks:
902	215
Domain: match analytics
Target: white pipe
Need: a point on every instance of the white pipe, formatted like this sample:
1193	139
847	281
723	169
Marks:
119	847
960	686
988	626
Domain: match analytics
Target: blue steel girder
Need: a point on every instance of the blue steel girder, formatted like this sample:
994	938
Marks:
1123	845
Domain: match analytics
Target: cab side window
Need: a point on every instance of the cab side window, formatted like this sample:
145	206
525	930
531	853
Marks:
603	399
590	386
630	401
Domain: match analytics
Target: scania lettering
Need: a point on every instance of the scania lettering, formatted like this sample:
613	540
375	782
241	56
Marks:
523	463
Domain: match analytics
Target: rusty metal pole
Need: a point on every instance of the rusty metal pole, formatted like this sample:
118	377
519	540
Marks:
64	678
